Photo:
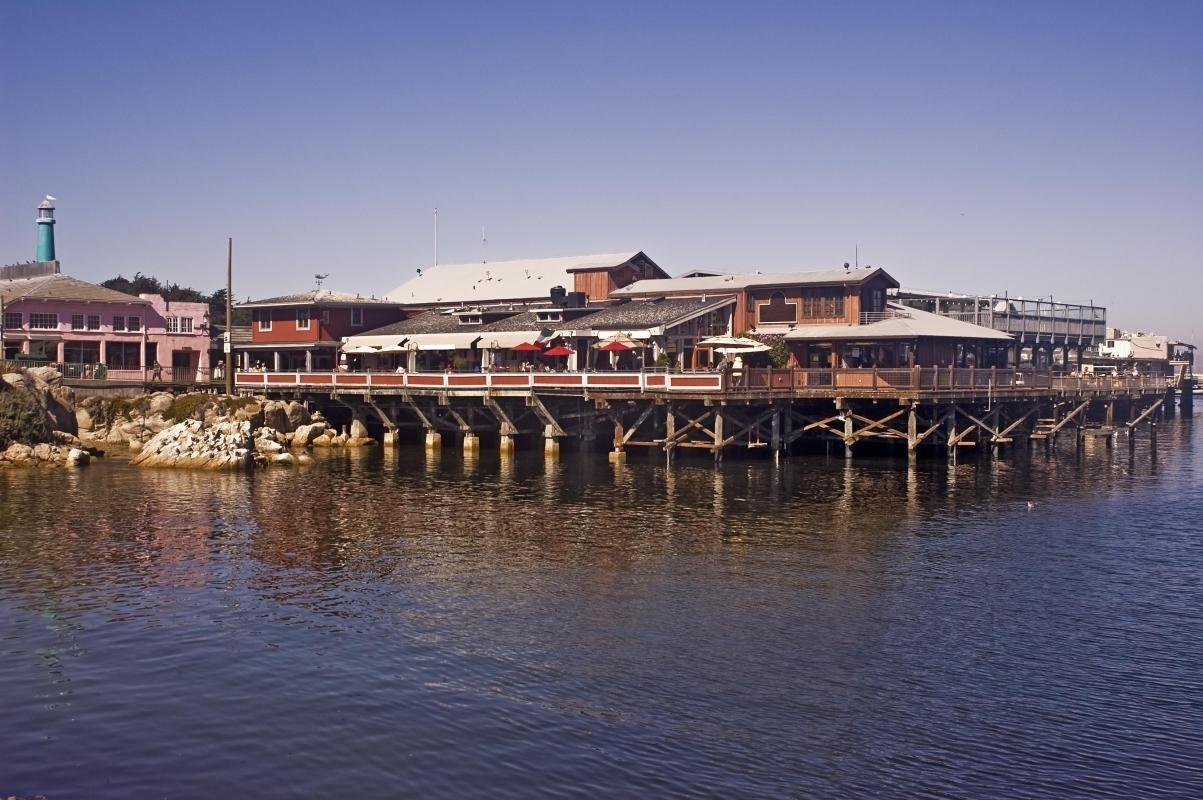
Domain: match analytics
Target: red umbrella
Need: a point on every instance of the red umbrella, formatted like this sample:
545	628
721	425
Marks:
527	347
559	350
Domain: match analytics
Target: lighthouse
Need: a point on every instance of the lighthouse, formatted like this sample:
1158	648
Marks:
46	229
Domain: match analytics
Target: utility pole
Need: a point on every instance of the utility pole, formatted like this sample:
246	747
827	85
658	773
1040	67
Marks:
229	333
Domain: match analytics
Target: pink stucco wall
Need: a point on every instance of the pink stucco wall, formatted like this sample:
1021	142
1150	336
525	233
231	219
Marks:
190	347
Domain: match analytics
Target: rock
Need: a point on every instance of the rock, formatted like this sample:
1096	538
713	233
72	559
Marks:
298	415
284	459
61	406
135	446
83	419
360	441
304	459
268	446
325	440
18	453
252	413
47	375
358	429
304	435
67	439
44	452
159	403
275	415
77	457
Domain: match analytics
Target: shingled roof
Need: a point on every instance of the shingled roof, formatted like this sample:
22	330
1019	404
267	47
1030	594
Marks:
318	297
62	287
649	314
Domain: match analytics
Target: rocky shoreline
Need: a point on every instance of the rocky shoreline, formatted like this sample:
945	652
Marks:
41	424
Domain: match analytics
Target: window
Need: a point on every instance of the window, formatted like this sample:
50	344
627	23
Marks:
93	322
265	319
77	322
302	319
118	323
12	319
325	316
179	324
822	303
134	323
470	319
43	321
356	317
776	310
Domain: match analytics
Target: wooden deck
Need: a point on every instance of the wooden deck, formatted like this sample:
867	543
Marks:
918	383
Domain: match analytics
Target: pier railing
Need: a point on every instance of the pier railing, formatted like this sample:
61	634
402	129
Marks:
926	380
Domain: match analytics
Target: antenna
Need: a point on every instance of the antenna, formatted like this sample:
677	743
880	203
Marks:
436	236
856	255
483	244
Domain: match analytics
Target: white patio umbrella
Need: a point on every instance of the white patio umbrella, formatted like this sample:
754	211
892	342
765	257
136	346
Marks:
734	344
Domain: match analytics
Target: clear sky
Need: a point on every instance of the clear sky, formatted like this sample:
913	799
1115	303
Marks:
1042	148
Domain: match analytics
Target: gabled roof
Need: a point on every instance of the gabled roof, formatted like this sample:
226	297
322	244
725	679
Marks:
736	282
905	323
63	287
317	297
493	281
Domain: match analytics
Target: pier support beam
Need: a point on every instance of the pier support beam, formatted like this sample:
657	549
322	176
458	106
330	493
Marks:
471	442
434	440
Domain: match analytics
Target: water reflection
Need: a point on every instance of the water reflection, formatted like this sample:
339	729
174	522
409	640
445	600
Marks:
741	630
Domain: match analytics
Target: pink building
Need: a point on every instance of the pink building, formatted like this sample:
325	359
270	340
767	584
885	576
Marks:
54	318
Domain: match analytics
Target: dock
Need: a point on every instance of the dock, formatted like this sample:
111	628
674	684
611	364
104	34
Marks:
778	410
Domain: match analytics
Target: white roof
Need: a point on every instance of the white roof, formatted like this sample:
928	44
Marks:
733	282
909	323
499	280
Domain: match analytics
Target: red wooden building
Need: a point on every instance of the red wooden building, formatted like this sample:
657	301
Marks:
303	331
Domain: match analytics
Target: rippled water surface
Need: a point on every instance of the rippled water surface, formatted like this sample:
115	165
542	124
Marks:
396	625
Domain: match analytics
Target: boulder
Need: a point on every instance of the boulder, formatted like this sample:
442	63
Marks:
304	459
298	415
47	375
83	419
275	415
268	446
77	457
304	435
159	402
44	452
358	429
66	439
61	406
18	453
283	459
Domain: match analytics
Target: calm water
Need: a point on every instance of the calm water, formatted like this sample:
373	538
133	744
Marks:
384	626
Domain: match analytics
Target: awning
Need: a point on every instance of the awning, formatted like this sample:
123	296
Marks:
443	341
362	349
504	340
381	342
528	347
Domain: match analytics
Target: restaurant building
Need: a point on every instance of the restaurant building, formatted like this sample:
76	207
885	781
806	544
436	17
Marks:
304	331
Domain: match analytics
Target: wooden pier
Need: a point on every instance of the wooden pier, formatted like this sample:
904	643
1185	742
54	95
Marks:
774	410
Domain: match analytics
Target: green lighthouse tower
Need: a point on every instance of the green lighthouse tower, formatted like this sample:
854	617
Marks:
46	229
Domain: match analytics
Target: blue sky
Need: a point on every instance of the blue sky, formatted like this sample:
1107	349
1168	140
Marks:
1044	148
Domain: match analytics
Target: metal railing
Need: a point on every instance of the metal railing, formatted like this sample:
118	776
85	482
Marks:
859	380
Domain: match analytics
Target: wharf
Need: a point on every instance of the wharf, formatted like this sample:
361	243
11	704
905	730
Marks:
754	408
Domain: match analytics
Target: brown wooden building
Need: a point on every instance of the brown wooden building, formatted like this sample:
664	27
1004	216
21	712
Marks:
775	303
